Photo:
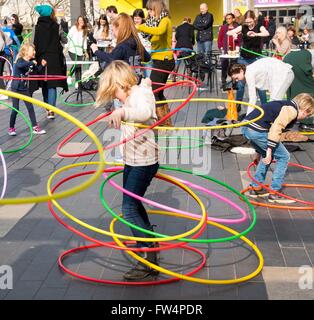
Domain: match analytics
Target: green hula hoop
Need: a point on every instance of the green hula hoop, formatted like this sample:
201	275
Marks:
155	234
30	130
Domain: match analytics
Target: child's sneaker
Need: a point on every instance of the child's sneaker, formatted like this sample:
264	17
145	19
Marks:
258	192
37	130
12	132
275	198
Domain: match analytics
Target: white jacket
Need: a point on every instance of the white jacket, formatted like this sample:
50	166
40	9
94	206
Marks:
77	43
140	107
266	74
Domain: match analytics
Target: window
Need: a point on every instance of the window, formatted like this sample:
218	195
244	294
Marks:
282	13
292	13
272	13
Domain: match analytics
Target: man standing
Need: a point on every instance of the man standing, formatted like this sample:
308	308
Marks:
204	26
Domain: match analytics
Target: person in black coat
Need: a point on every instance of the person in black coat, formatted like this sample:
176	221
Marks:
204	26
185	36
47	41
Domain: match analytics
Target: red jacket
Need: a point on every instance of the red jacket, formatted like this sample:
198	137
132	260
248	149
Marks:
223	39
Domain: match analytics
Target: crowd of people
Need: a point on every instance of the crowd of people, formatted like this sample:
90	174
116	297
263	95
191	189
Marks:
121	43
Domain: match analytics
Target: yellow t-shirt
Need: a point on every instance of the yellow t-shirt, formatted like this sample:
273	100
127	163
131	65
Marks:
162	38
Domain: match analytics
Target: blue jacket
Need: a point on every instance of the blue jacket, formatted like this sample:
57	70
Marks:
22	69
279	115
126	51
10	33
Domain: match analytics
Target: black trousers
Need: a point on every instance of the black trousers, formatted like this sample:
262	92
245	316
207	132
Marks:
29	106
224	70
161	77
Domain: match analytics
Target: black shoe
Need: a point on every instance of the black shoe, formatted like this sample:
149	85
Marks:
306	127
258	192
274	198
141	271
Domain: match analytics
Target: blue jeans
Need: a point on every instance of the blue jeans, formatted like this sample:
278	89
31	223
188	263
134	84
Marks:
204	47
137	180
241	84
49	95
259	141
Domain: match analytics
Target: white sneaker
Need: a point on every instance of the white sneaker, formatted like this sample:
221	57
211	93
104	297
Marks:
3	97
12	132
37	130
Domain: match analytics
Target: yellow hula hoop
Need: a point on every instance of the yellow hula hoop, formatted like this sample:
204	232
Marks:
192	279
307	133
72	191
112	234
236	125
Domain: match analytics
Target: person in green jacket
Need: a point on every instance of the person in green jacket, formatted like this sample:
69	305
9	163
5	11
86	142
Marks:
301	62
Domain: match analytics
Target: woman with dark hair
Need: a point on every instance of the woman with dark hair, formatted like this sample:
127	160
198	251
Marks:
47	41
159	26
17	27
295	41
138	16
102	34
77	45
138	19
252	43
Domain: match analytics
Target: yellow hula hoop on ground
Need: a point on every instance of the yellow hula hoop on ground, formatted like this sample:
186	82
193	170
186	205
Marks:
72	191
192	279
112	234
236	125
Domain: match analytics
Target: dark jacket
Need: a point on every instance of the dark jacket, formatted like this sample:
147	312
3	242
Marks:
126	51
185	36
204	26
22	69
48	47
18	29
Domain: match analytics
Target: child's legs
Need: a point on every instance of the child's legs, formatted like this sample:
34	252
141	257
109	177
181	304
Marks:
282	156
137	180
16	105
30	109
259	141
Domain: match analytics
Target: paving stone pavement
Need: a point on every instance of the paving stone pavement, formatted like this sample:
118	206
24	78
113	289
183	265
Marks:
31	239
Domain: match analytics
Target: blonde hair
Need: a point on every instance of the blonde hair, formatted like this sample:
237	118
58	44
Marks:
24	49
305	101
158	6
285	32
126	30
118	74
